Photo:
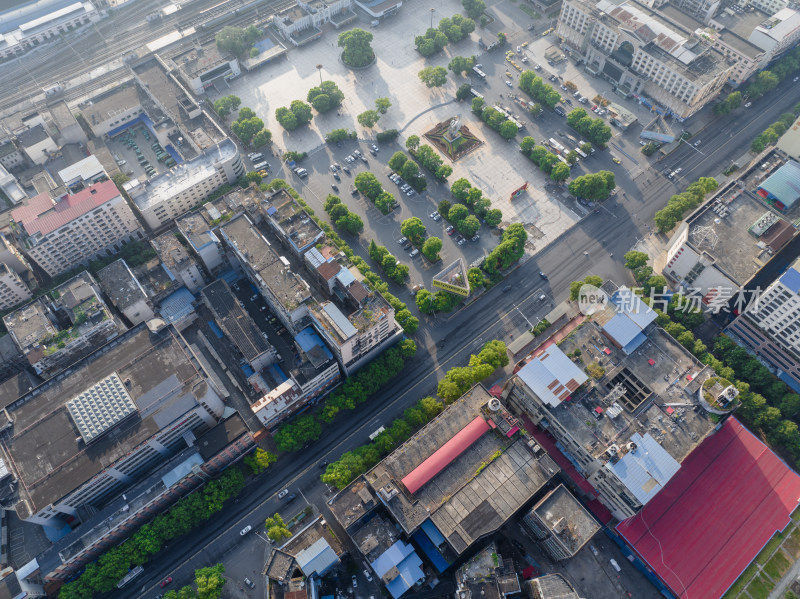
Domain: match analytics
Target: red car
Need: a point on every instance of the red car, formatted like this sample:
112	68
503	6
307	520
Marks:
166	581
450	230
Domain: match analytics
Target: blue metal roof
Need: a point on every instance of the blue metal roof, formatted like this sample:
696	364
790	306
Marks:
429	549
791	279
181	470
317	558
630	304
345	277
645	470
433	533
622	329
408	563
308	338
177	305
347	328
784	184
634	343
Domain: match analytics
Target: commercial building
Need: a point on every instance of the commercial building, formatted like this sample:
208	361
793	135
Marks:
112	109
11	256
10	155
454	482
720	247
313	378
69	128
778	33
125	292
560	524
303	22
379	8
109	421
13	290
178	263
628	430
285	291
238	326
202	65
551	586
789	142
644	55
37	144
34	23
309	554
11	187
61	328
202	239
82	174
769	6
60	235
754	494
782	188
294	227
170	194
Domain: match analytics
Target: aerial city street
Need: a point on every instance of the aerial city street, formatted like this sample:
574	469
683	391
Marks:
360	299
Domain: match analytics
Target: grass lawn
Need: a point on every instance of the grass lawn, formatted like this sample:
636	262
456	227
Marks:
792	544
760	587
777	566
769	548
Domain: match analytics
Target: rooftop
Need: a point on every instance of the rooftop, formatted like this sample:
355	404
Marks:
234	321
753	494
472	490
154	278
29	325
741	23
602	418
110	104
784	184
31	137
179	178
566	518
247	200
120	284
727	239
731	35
553	586
62	115
171	251
196	230
781	25
292	219
313	550
43	216
158	375
82	170
552	376
198	60
287	287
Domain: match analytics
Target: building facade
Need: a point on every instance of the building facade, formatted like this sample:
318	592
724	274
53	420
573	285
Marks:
61	235
13	290
179	264
126	292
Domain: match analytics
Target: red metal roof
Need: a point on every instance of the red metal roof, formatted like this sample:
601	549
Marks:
441	458
705	527
40	215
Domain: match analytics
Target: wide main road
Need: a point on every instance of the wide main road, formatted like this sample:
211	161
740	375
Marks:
445	341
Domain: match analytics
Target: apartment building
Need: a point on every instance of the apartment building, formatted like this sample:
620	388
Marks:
201	238
109	421
37	144
201	65
13	290
126	292
170	194
60	235
778	33
112	109
643	54
178	263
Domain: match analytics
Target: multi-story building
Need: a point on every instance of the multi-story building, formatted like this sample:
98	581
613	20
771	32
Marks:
202	238
201	65
178	263
560	523
13	290
68	126
11	187
170	194
109	421
285	291
112	109
60	235
64	326
294	227
643	54
34	23
37	144
303	22
10	155
614	428
699	9
83	173
778	33
769	6
125	292
10	255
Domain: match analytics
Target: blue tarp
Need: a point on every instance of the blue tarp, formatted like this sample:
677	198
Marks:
308	338
230	276
248	371
217	331
54	534
142	118
428	548
263	46
276	373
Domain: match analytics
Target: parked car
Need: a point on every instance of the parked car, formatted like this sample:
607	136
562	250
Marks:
245	530
410	192
450	229
509	84
293	496
475	237
249	583
283	493
355	581
345	169
334	187
374	147
402	241
165	582
323	464
506	288
541	274
367	575
414	253
616	160
460	240
337	177
333	169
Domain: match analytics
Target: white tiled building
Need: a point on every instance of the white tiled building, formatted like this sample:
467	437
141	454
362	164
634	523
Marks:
778	310
13	290
61	235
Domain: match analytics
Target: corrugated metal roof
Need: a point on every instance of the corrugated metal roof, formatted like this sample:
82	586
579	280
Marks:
552	376
177	305
784	184
791	279
85	169
346	278
315	258
392	557
340	320
645	470
442	457
622	329
409	572
316	558
630	304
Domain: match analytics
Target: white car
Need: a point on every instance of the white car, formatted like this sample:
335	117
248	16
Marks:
245	530
509	84
283	493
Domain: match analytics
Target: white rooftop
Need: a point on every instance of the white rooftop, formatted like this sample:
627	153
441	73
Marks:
100	407
552	376
85	170
646	469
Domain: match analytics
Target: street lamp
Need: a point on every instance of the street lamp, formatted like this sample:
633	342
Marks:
319	68
432	11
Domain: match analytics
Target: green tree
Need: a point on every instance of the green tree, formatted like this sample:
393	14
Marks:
246	129
473	8
259	460
295	434
559	172
431	248
424	301
635	260
444	208
571	157
463	92
382	105
469	226
325	96
413	229
508	130
457	214
410	171
478	105
209	581
301	111
475	278
526	145
357	50
350	223
368	184
433	76
494	217
368	118
227	104
286	118
397	161
461	65
412	143
232	39
261	138
277	530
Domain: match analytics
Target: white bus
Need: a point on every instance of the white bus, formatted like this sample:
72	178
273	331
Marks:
581	153
479	73
475	93
376	433
556	146
130	576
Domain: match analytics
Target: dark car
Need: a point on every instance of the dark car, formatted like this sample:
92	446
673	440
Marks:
506	288
323	464
541	274
334	187
337	177
249	583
